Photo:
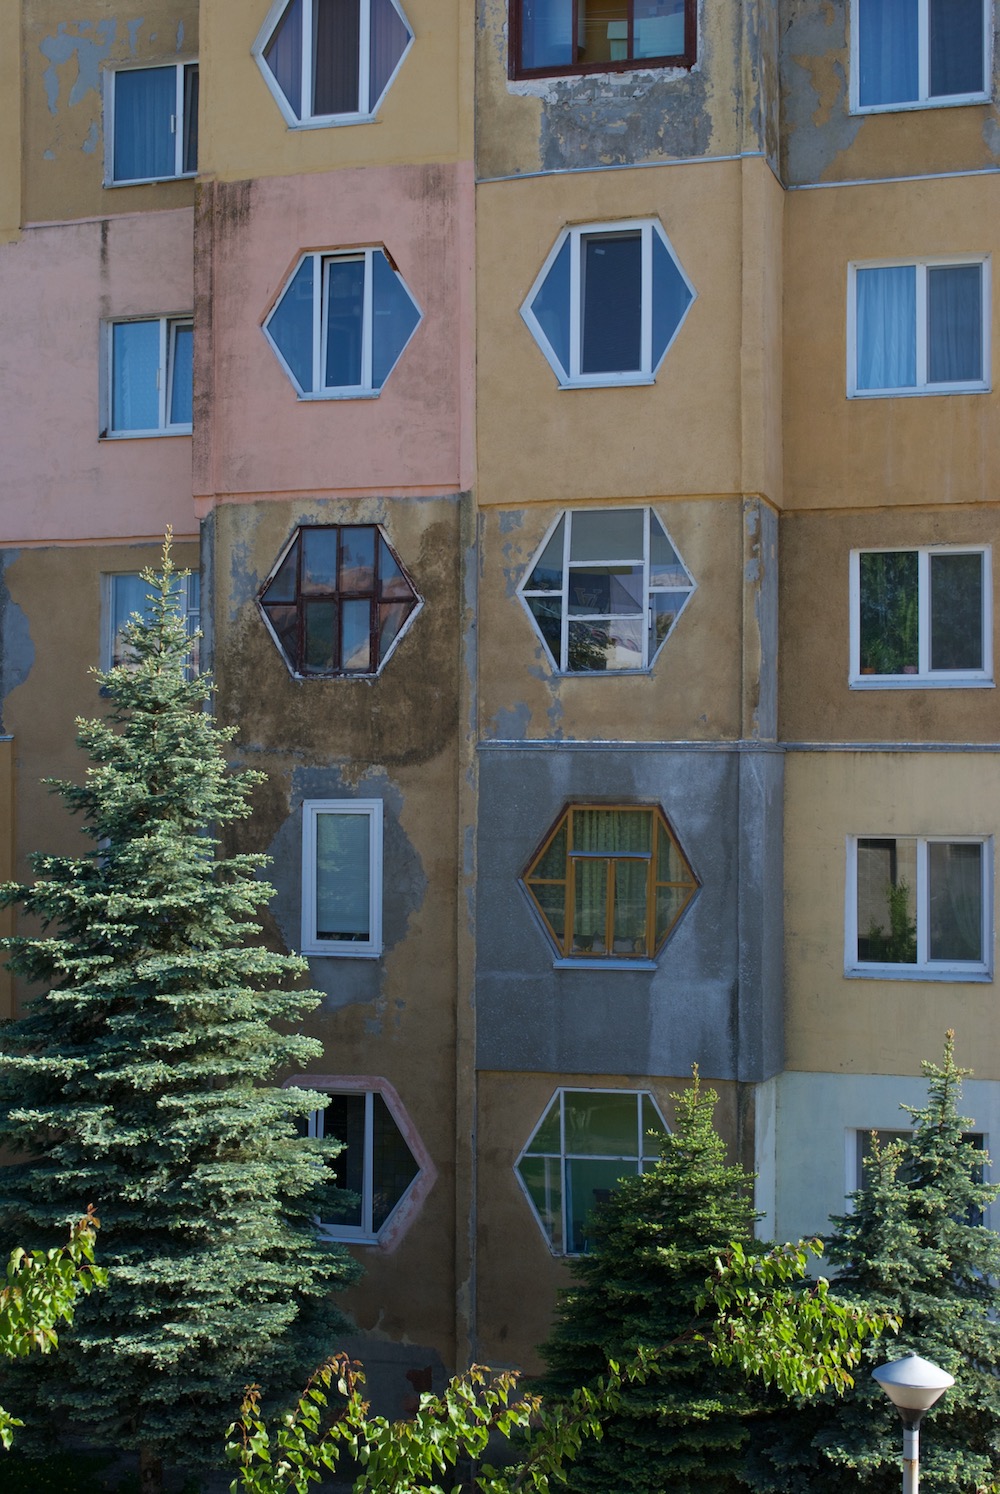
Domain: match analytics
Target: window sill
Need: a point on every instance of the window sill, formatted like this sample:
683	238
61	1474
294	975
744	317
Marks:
610	381
978	387
331	1233
333	953
152	181
952	101
333	394
922	682
953	974
329	122
599	963
173	430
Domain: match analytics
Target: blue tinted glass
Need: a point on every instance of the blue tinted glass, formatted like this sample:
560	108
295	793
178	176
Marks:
887	52
135	362
611	271
547	33
671	297
145	103
291	325
283	55
551	307
345	300
394	318
887	327
956	43
954	324
180	377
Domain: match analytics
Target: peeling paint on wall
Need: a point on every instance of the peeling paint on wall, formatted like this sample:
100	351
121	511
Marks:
87	51
18	649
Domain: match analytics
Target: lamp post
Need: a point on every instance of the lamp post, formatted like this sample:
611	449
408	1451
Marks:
913	1385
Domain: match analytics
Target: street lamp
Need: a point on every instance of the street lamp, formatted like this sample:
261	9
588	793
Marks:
913	1385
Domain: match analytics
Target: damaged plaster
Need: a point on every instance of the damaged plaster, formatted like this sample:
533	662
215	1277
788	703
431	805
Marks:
88	52
18	652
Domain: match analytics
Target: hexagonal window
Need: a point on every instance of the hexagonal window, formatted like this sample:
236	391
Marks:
608	303
338	600
383	1168
587	1141
605	589
341	323
610	882
331	61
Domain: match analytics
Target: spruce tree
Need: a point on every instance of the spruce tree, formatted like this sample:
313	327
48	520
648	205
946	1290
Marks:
137	1079
913	1245
654	1243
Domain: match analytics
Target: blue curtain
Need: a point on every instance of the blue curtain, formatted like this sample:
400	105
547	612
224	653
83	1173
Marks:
954	324
283	55
180	376
887	328
135	361
145	99
887	52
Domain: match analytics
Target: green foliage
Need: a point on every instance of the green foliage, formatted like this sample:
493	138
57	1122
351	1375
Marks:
412	1457
911	1247
137	1078
41	1291
899	945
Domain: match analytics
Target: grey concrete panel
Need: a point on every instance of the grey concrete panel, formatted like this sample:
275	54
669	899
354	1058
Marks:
17	650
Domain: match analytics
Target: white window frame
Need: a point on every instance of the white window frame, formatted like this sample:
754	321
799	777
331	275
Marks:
177	123
563	1157
925	968
322	260
646	373
342	949
168	326
925	99
853	1143
368	108
524	591
921	387
190	613
925	678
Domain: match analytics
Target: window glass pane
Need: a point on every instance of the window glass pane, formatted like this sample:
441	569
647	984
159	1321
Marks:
611	272
615	645
551	899
319	627
659	28
393	1164
887	51
129	594
954	324
630	907
285	622
602	591
890	614
394	317
344	1118
607	534
671	293
665	567
669	865
552	865
670	904
547	33
283	55
389	37
542	1176
391	617
956	611
355	636
887	879
601	1125
345	285
319	559
283	586
190	144
651	1122
590	910
548	1137
135	364
182	338
956	42
393	585
336	33
602	31
612	830
587	1185
548	572
664	607
956	901
291	325
548	615
145	101
357	558
343	876
887	327
551	306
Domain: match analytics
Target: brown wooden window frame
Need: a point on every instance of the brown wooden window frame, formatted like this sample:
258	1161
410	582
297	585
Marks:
685	59
335	596
567	947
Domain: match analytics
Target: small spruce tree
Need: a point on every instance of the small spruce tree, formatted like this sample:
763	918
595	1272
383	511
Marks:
136	1081
654	1243
915	1246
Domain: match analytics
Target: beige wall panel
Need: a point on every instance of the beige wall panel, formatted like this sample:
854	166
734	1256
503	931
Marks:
66	52
518	1275
840	1025
426	115
541	443
816	702
850	453
693	688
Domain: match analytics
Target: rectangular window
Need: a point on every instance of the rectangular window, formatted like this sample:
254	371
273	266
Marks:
149	384
584	36
908	54
342	877
918	328
125	593
374	1168
153	113
921	618
859	1170
919	906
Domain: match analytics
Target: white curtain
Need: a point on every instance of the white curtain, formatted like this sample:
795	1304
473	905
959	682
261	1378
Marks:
886	328
887	52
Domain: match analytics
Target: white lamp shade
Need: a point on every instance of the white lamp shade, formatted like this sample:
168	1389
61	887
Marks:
912	1383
